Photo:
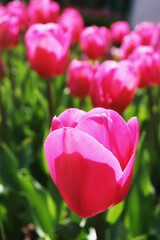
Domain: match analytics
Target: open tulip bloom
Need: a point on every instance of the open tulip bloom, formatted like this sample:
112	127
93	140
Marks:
90	156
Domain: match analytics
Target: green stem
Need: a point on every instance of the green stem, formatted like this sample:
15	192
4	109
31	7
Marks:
3	120
98	221
11	76
152	128
2	234
49	96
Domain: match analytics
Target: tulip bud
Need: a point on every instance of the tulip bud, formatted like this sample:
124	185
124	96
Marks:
19	9
80	76
114	85
129	43
47	48
9	31
92	163
146	31
43	11
147	62
95	41
71	20
119	29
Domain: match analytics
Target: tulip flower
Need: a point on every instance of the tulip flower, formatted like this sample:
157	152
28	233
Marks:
43	11
47	48
79	78
90	156
95	41
71	20
2	10
155	41
129	43
147	62
9	30
146	30
19	9
119	29
114	85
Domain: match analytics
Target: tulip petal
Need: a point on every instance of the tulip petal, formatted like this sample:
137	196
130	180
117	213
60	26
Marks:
125	180
85	173
111	130
70	117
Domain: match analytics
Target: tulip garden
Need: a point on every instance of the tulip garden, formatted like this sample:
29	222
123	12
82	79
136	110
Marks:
79	126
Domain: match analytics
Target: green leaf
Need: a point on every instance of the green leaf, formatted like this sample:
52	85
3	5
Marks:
68	231
25	153
42	205
114	213
8	167
132	217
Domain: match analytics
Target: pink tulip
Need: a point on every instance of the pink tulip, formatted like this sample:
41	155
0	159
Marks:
114	85
2	10
155	41
146	30
147	62
19	9
129	43
47	48
80	76
9	30
70	19
119	29
95	41
43	11
91	158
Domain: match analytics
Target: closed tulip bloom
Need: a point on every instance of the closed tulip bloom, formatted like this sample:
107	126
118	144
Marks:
146	30
19	9
129	43
71	20
114	85
147	62
90	156
43	11
119	29
95	41
2	10
155	41
9	31
80	76
47	48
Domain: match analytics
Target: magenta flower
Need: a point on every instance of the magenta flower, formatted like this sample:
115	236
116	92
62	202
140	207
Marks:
129	43
71	20
9	30
147	62
146	30
114	85
95	41
80	75
119	29
155	41
43	11
19	9
47	48
91	158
